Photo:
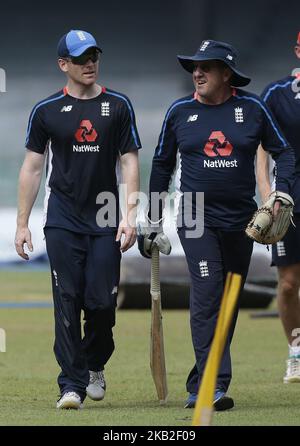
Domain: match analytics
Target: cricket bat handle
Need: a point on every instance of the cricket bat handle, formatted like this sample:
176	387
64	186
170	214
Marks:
155	281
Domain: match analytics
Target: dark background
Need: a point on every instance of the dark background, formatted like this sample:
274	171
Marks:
140	41
141	38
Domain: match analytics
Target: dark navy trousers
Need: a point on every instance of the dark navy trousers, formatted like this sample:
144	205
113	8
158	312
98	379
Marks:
85	272
209	259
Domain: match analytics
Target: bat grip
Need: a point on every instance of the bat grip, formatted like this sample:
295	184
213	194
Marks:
155	282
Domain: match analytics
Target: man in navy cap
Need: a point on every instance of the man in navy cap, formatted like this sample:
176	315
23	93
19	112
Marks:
86	132
283	98
215	132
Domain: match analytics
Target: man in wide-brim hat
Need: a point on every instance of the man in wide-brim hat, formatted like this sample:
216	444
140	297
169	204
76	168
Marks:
216	131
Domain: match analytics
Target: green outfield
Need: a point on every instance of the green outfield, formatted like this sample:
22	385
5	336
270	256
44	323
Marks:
28	369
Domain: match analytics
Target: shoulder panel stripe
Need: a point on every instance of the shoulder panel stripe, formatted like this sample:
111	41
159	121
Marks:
165	121
130	111
35	109
274	88
249	98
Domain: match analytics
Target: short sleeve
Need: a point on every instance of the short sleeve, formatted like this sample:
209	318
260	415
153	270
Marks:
37	137
163	163
272	137
274	142
129	137
268	96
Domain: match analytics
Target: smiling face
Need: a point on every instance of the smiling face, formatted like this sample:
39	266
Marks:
210	78
83	69
297	51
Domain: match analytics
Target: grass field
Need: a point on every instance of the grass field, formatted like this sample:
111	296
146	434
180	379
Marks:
28	369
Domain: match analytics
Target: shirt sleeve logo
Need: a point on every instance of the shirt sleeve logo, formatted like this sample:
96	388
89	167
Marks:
86	132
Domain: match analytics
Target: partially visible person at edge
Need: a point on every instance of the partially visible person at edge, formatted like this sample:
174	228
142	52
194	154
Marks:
84	131
283	98
216	130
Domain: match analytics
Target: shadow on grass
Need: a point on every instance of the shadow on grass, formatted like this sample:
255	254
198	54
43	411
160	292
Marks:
135	405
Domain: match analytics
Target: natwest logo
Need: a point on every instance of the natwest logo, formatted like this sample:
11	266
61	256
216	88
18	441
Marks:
217	145
86	132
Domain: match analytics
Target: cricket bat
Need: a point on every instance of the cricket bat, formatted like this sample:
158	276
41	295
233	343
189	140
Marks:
157	353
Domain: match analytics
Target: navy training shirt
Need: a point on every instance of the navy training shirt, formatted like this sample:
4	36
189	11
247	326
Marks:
84	139
283	98
217	145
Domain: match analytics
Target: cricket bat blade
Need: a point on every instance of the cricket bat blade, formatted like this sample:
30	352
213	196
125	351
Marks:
157	353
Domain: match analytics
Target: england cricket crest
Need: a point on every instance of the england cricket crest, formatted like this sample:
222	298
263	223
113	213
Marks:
238	114
105	109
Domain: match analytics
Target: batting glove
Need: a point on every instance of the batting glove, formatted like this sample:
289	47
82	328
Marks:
147	236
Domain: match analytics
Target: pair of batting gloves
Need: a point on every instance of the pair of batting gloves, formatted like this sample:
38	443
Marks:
152	234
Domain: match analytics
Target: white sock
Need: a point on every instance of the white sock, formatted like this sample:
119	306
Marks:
294	352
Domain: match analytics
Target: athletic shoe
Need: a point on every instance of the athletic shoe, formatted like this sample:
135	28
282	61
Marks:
191	401
292	371
69	400
97	386
221	401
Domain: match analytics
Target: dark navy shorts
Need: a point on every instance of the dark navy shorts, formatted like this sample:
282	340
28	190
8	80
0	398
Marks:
287	251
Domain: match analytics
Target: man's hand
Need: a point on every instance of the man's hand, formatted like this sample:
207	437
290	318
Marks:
130	235
276	208
149	235
23	235
270	222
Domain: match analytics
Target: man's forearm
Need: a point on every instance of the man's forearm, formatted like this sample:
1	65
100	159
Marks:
29	183
264	187
262	174
131	180
285	168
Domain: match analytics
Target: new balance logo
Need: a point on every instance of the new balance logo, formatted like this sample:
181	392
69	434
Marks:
238	114
66	108
192	118
105	109
204	45
203	268
280	249
229	57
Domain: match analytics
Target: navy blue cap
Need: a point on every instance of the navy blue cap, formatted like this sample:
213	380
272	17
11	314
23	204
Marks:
76	42
214	50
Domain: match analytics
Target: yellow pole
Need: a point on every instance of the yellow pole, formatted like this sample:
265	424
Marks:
204	406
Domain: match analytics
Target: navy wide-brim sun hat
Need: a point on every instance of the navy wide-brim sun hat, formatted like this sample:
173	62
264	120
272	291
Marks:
214	50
